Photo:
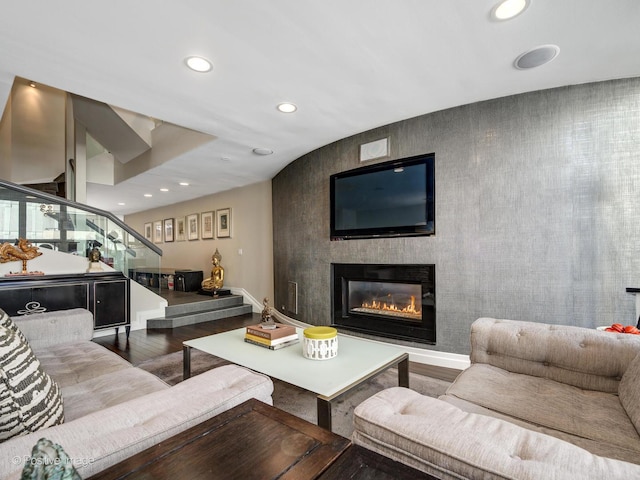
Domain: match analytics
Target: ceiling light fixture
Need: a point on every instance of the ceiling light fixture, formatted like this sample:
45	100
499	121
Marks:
32	84
148	195
184	184
122	204
164	189
536	56
262	151
508	9
198	64
287	107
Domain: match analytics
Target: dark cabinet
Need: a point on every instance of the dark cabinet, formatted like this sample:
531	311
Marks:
106	295
106	310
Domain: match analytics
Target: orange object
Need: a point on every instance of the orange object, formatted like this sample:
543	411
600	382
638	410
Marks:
618	327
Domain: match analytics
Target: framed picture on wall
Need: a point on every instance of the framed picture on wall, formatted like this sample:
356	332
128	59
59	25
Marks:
148	231
223	223
192	226
180	230
206	224
157	231
168	230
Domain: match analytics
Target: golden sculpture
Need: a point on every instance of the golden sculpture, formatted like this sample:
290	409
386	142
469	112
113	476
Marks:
23	252
216	280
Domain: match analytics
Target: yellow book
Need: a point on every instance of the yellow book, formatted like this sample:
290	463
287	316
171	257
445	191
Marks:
267	342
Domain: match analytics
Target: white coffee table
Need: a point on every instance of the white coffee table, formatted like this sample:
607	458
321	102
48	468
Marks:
357	360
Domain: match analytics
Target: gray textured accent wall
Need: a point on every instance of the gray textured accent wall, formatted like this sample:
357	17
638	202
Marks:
537	211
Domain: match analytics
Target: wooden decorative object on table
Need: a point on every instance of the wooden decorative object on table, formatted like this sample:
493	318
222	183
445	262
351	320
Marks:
23	252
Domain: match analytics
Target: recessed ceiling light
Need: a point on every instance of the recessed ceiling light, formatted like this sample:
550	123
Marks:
287	107
198	64
536	56
262	151
32	84
184	184
121	204
148	195
164	189
508	9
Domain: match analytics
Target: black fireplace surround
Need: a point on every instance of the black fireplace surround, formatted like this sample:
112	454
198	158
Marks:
391	301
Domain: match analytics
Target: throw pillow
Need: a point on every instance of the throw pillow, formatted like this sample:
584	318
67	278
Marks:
6	321
49	461
29	398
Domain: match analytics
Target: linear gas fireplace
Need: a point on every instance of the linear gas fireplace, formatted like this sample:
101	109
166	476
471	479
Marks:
393	301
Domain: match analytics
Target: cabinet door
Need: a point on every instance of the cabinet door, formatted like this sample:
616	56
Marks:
61	297
13	300
110	304
18	301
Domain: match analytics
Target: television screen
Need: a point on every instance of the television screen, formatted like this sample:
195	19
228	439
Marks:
383	200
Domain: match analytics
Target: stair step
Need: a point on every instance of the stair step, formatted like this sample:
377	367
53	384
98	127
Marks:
205	304
191	318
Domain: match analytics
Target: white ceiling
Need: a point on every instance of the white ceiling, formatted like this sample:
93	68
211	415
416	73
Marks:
349	65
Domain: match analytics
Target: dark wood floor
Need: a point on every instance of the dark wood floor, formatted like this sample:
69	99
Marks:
150	343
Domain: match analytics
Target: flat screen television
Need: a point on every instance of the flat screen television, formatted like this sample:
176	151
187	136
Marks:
390	199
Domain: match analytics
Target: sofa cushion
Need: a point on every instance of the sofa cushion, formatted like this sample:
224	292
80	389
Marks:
29	399
72	363
593	415
48	329
629	392
597	448
108	390
440	439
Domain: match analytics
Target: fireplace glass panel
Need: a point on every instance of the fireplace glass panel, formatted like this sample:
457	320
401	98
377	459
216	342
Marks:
394	300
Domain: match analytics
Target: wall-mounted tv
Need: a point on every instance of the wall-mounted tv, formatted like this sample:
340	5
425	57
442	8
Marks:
390	199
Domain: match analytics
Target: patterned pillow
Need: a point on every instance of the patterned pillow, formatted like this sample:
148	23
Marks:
29	398
6	321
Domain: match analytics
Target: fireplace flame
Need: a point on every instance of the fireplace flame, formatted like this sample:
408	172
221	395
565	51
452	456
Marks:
409	310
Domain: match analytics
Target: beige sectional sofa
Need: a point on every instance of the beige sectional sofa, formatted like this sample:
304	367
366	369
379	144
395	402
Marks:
538	401
113	410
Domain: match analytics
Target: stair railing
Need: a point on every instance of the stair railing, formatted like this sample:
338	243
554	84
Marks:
48	221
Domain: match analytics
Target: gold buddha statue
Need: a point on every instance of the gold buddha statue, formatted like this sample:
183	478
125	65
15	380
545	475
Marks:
216	280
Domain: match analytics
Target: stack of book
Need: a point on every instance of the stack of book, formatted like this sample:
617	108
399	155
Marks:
273	339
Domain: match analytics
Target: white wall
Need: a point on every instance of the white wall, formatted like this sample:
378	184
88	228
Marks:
51	262
247	257
35	132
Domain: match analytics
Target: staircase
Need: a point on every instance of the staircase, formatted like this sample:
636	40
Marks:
201	311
